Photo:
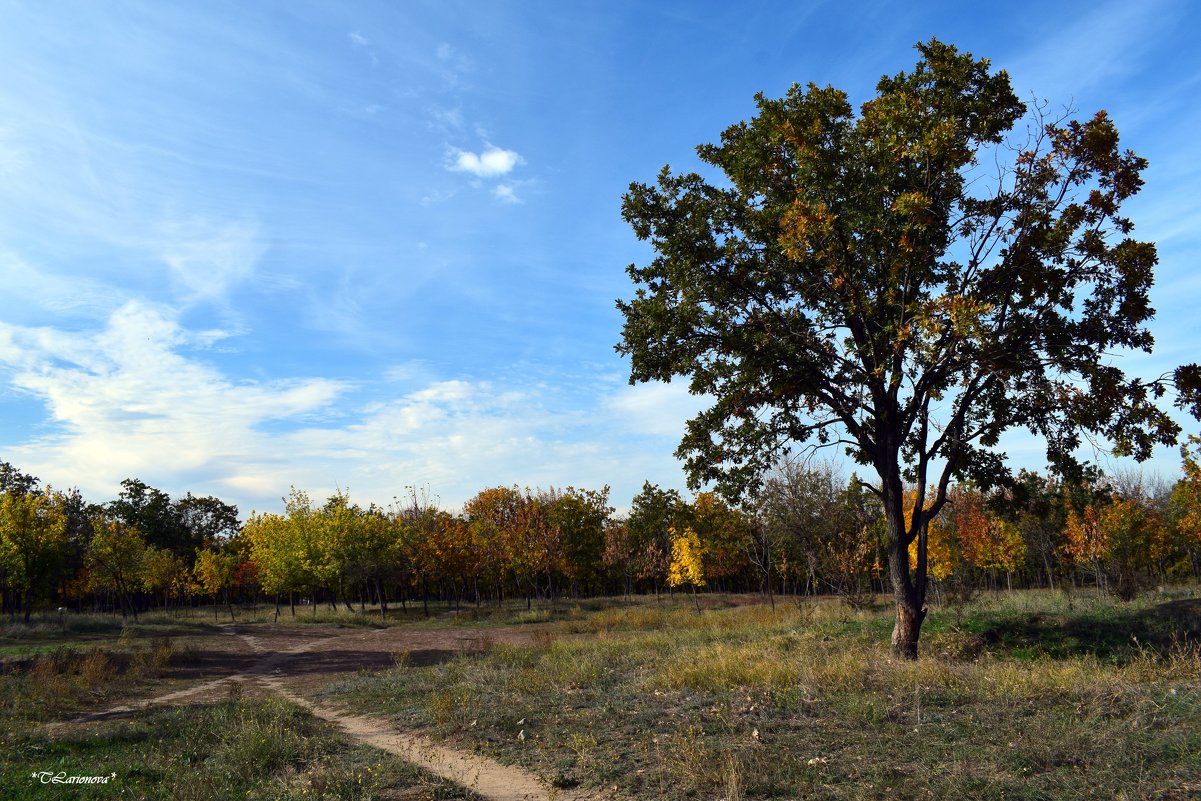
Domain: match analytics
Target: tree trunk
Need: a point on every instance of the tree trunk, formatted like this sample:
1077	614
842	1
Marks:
909	587
906	631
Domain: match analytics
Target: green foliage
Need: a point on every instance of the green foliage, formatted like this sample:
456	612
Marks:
215	571
275	554
33	541
580	516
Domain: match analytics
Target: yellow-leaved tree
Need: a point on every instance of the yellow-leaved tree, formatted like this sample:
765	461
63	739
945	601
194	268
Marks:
940	560
215	572
687	566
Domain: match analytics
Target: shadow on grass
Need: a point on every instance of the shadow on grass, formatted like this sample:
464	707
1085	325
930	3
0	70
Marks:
1112	634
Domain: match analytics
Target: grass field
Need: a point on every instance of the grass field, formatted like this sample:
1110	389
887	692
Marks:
1029	696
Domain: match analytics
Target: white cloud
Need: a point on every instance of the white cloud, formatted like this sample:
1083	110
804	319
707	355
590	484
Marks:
656	409
490	163
125	402
358	40
135	399
505	193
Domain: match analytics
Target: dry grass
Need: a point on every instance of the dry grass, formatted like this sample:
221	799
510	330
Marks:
1028	696
66	680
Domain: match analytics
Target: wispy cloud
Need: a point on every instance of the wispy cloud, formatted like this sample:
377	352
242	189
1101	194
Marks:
361	42
1066	63
453	60
492	162
209	259
654	409
505	193
29	290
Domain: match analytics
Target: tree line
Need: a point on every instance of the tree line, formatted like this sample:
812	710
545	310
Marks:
809	530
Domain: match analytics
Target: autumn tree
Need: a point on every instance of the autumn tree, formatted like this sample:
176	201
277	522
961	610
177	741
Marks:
1032	504
724	534
162	572
1134	536
903	282
344	546
279	556
1118	532
491	516
983	539
821	528
653	512
216	572
1182	514
377	555
33	541
1188	489
618	557
116	560
686	567
534	546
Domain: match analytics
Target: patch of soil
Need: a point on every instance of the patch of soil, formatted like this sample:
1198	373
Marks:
290	662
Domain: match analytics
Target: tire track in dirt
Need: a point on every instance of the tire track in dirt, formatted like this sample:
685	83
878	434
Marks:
270	662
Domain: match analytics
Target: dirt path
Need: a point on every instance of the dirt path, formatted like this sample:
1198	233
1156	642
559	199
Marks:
287	668
486	776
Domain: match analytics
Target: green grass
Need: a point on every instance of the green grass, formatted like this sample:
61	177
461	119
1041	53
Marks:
249	749
1026	696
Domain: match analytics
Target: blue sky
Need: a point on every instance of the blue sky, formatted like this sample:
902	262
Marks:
245	246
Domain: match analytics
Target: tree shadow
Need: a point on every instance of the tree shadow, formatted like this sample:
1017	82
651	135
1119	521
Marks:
1108	634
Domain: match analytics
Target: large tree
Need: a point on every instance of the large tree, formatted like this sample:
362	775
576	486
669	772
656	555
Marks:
907	281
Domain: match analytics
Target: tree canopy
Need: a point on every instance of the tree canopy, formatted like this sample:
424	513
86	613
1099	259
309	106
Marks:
909	282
